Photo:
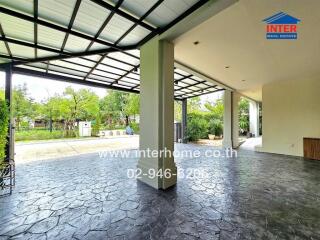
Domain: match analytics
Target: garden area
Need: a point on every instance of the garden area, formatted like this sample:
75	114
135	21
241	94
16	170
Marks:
205	121
58	116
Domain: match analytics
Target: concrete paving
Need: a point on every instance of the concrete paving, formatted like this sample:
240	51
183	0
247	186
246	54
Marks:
251	143
43	150
254	196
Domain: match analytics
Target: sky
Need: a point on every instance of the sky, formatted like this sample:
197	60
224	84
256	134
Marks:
41	89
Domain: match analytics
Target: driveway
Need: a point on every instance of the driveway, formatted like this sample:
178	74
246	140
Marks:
254	196
43	150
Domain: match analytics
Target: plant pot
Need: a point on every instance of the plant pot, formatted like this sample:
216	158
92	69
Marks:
211	136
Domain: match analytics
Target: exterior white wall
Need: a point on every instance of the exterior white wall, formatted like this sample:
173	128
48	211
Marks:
254	118
290	111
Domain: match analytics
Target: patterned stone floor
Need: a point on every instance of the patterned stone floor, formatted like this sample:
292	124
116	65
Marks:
254	196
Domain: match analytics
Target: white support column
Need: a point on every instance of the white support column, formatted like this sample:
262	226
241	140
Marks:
235	119
254	118
231	119
227	119
157	112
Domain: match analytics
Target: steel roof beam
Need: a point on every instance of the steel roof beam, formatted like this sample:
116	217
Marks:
35	26
123	14
97	35
73	17
5	42
57	27
56	77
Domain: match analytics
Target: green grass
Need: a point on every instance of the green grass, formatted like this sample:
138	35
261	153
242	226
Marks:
30	135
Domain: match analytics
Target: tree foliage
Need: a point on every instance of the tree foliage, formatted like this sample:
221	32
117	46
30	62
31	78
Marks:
178	111
244	115
4	121
132	107
119	105
22	105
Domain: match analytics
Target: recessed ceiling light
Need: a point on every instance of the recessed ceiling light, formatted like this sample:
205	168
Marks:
196	42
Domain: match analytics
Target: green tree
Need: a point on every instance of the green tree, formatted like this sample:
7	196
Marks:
2	94
132	107
244	115
78	105
22	105
216	109
55	109
4	121
178	111
194	104
113	107
197	127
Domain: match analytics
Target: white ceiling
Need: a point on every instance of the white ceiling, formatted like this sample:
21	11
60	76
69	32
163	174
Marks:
235	37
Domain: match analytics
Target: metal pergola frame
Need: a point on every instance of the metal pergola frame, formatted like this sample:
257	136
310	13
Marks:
93	73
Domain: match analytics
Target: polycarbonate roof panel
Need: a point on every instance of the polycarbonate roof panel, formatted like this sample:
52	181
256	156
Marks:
122	71
76	44
168	11
57	11
21	51
17	28
137	7
90	17
59	41
43	53
3	49
21	5
115	28
50	37
134	36
3	60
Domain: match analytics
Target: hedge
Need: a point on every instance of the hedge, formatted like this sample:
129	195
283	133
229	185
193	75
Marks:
200	124
4	121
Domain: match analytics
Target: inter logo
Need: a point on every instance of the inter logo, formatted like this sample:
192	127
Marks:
281	26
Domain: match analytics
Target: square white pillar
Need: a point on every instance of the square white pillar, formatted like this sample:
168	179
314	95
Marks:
231	119
227	119
254	118
235	119
157	113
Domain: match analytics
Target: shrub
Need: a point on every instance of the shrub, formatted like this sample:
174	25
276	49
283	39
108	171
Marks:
96	126
4	121
39	135
135	126
216	127
197	127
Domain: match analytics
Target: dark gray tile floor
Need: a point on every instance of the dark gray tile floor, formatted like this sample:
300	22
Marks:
255	196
